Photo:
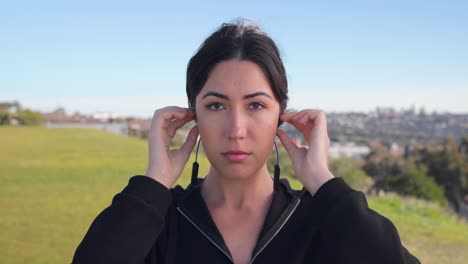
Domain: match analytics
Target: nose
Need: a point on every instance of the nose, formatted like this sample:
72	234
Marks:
237	125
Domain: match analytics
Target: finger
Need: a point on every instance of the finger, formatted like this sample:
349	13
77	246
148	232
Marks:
307	111
190	142
176	118
319	119
295	120
305	115
173	112
170	113
174	125
294	117
288	144
177	115
314	119
160	133
288	115
307	119
178	123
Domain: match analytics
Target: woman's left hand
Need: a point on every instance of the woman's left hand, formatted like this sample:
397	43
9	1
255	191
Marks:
310	163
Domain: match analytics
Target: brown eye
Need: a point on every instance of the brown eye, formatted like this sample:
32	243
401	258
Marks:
215	106
256	106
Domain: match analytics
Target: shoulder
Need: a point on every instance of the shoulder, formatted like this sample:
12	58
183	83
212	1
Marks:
288	189
180	193
330	194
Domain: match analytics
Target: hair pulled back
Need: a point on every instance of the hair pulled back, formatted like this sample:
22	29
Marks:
242	40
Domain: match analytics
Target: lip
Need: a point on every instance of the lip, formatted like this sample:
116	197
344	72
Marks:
235	155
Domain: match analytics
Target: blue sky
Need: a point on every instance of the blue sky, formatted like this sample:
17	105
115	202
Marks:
130	57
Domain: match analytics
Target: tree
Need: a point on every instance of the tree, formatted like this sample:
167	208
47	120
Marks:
5	118
448	168
24	117
415	182
382	166
352	173
463	148
29	118
17	106
6	106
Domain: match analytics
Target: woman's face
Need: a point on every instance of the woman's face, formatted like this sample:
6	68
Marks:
237	116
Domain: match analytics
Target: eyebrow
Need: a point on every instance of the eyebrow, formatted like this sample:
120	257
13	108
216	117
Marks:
248	96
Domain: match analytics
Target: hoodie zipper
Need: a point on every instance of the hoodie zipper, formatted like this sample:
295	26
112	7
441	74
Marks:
206	235
277	231
259	251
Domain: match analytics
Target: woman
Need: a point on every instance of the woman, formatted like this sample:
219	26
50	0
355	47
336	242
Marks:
237	93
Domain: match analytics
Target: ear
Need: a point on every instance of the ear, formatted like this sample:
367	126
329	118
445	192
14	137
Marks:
280	122
195	117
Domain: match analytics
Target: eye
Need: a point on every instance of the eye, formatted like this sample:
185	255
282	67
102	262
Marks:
215	106
256	106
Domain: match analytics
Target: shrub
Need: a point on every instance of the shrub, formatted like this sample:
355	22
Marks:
351	173
415	182
5	118
29	118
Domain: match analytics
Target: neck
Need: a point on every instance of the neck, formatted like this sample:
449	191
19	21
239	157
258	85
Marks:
252	191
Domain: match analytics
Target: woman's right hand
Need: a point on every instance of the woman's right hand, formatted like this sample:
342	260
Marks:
164	165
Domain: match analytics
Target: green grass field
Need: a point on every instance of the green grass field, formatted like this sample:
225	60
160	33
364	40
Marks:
53	183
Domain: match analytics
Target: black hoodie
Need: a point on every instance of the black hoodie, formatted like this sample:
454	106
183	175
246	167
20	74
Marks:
147	223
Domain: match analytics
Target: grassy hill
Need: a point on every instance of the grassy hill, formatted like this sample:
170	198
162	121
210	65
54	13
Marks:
53	183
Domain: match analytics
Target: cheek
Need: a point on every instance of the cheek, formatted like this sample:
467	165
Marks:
204	129
265	129
209	132
267	123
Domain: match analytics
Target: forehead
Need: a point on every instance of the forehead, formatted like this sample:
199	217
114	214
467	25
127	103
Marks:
237	78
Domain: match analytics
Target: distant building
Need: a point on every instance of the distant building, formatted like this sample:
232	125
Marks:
116	128
348	150
59	118
396	150
14	122
104	116
139	128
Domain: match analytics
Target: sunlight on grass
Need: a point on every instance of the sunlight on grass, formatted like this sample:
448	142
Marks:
54	182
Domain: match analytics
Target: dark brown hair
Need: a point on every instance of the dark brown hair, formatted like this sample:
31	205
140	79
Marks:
242	40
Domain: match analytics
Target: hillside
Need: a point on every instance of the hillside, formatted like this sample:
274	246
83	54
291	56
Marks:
53	183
